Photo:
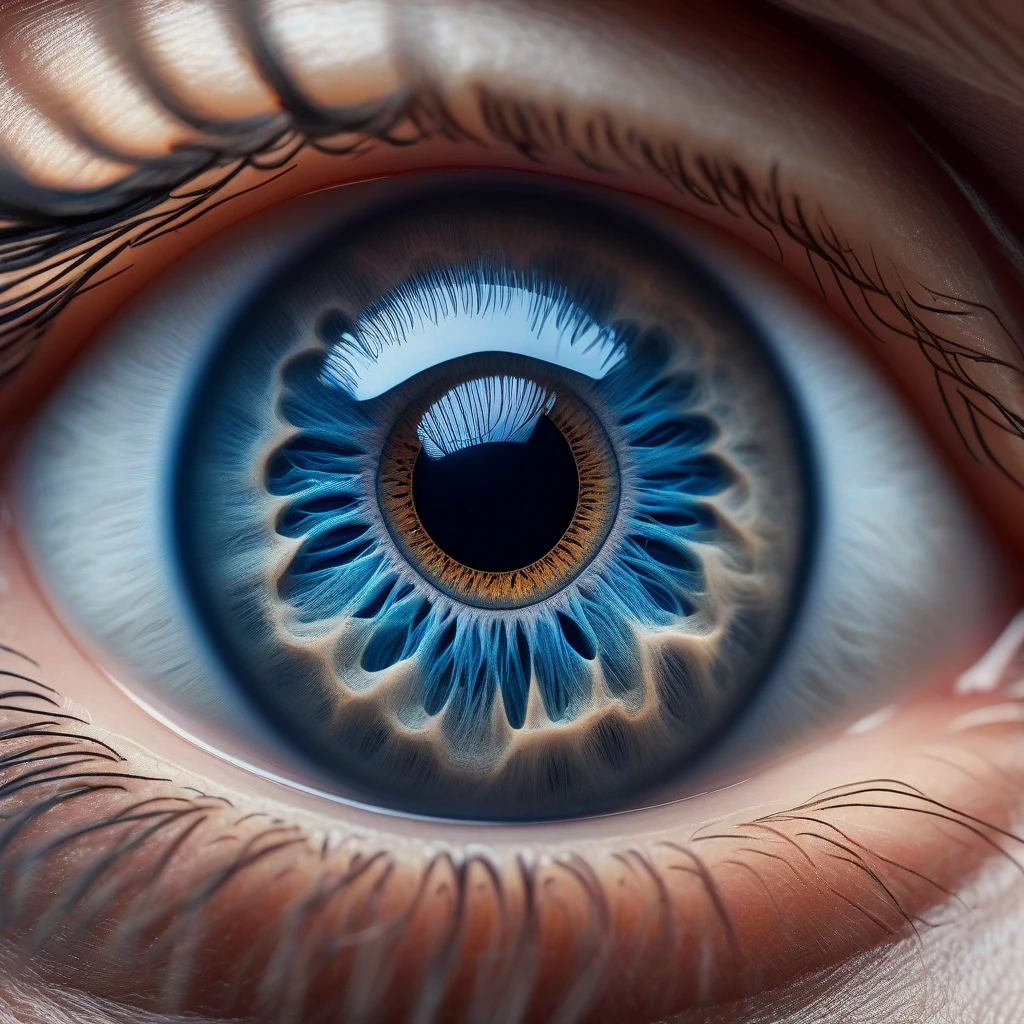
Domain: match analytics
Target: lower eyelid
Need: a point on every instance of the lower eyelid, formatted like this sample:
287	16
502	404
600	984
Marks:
225	908
229	910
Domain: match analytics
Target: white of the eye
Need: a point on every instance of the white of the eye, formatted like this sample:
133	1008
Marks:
902	581
904	584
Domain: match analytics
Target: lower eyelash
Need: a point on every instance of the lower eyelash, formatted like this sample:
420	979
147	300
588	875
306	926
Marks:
150	872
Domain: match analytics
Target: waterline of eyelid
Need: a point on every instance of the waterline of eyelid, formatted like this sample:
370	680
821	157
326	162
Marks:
559	867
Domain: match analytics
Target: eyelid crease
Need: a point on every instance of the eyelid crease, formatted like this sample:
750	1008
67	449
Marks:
709	182
1006	238
168	95
51	144
108	221
227	910
193	60
308	116
949	41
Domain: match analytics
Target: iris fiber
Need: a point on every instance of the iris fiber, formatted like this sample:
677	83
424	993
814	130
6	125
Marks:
549	358
587	477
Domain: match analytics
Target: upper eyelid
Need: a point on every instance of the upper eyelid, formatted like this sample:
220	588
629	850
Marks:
38	237
44	231
43	228
224	139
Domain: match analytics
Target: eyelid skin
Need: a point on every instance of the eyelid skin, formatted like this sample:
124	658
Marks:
195	53
770	141
605	899
232	903
954	44
72	70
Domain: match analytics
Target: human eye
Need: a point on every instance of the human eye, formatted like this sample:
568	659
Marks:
539	576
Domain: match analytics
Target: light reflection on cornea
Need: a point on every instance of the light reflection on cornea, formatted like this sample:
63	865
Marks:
872	721
992	668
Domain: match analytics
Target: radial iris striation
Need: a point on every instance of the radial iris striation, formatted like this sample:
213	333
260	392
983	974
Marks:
520	505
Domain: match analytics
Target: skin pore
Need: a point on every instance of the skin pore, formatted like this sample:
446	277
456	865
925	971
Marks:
147	873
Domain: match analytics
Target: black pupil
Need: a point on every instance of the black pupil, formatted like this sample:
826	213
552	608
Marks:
501	505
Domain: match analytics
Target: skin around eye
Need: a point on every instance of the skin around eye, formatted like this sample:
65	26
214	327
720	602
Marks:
577	925
731	881
787	170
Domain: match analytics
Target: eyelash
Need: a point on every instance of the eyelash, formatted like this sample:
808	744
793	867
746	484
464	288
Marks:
70	257
50	760
73	241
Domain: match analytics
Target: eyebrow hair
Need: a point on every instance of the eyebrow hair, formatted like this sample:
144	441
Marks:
56	244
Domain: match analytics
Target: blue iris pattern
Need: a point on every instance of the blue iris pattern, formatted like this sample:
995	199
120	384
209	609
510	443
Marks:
648	575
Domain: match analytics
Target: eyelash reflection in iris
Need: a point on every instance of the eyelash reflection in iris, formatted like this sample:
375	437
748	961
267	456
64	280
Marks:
495	505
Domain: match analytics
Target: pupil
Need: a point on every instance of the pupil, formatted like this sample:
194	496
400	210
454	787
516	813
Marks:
500	505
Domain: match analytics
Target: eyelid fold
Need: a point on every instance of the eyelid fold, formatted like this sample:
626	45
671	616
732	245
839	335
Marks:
952	43
69	69
808	165
196	54
226	933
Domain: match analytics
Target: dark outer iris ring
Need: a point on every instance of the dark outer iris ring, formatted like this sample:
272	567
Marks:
590	525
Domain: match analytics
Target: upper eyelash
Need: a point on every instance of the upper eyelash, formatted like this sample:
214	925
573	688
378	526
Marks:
49	234
728	186
49	759
67	238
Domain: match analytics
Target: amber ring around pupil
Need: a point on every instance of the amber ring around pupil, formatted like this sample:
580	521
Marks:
499	522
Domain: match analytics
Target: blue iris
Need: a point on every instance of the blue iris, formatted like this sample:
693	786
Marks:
518	350
652	577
